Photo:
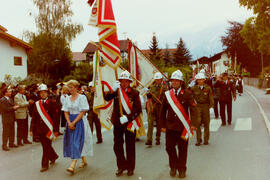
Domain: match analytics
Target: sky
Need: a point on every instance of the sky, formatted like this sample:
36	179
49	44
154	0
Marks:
200	23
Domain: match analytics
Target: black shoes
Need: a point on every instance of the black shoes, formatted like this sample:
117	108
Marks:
173	172
157	142
27	142
182	174
119	172
149	143
198	143
20	144
53	161
43	169
205	143
5	148
13	146
99	141
223	124
229	123
130	173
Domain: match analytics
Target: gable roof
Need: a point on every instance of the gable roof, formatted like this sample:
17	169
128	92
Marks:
147	52
78	56
13	40
90	48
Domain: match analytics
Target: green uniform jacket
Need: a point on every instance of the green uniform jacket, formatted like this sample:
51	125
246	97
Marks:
204	95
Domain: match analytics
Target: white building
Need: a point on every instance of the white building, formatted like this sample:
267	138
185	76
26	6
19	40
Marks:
221	63
13	55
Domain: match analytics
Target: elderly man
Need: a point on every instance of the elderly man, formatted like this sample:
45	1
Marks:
176	123
8	117
46	126
154	104
124	123
21	115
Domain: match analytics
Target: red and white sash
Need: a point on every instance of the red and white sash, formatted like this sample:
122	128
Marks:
180	112
132	126
46	118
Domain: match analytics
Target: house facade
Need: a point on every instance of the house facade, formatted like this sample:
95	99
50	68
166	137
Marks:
221	63
13	55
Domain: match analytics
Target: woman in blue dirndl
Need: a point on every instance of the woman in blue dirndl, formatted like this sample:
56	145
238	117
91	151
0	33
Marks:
78	137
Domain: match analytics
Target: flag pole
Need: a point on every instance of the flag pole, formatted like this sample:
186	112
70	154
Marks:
141	84
116	77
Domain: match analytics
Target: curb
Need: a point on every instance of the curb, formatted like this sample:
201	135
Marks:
266	120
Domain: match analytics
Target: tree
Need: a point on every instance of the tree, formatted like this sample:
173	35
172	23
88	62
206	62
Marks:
181	55
155	52
236	48
51	55
167	56
256	31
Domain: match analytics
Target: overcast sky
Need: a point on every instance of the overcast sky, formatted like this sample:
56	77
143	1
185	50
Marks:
199	22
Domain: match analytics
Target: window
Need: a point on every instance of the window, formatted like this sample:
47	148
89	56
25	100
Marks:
17	61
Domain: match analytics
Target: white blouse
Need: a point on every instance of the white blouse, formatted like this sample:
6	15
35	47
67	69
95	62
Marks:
77	106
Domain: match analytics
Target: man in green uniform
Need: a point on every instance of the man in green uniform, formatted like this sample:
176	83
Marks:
155	98
204	97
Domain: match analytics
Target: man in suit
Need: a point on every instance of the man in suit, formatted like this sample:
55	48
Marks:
8	117
176	123
227	93
131	110
46	126
21	115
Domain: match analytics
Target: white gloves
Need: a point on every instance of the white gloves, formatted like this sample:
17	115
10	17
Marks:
116	85
146	90
123	119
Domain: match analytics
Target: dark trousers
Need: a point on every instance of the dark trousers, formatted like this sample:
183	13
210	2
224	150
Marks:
63	119
216	102
174	141
22	130
123	162
48	152
224	104
94	120
8	133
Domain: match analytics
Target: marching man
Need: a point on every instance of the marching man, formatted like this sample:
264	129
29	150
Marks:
154	104
126	124
204	98
176	123
45	126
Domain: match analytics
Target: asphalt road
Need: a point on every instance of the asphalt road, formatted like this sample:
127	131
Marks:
237	152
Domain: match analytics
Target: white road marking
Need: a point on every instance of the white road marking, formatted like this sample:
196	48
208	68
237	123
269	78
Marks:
215	125
243	124
267	122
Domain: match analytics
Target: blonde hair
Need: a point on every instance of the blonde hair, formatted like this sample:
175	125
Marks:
65	89
73	82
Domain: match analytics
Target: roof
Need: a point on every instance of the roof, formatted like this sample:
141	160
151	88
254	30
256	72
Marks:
206	60
13	40
147	52
90	48
78	56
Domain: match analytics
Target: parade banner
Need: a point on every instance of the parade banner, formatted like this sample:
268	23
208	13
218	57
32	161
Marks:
105	78
102	16
180	112
141	67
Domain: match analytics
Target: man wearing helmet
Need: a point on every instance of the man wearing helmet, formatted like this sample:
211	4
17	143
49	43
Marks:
204	97
177	124
154	104
123	123
46	126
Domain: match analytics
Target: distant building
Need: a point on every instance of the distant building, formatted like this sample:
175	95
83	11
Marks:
13	55
78	57
90	49
217	64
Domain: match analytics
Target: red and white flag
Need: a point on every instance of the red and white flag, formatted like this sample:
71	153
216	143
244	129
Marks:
133	61
102	17
180	112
